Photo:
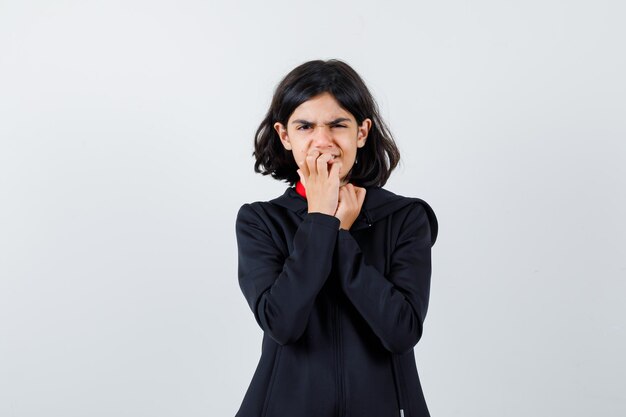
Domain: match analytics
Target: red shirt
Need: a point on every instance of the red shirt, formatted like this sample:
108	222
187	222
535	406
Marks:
300	189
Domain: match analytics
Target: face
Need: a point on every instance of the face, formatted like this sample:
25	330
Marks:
320	123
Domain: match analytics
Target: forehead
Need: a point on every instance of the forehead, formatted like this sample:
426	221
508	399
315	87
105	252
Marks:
322	107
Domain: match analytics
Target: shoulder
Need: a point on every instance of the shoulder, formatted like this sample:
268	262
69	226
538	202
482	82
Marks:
380	203
254	212
269	211
252	208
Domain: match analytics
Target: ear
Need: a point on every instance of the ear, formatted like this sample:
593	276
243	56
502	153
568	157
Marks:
282	135
362	132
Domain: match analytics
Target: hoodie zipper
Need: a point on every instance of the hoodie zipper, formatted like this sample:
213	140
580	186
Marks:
399	388
338	357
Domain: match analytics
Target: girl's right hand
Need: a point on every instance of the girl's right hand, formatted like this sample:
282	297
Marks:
322	184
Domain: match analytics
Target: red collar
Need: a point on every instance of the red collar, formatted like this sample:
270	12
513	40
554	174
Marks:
300	189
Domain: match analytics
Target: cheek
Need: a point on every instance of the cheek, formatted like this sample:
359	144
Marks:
299	151
299	155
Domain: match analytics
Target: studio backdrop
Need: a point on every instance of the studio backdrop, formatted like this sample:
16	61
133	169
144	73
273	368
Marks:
126	131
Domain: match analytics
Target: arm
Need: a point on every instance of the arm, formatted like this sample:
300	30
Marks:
395	305
281	290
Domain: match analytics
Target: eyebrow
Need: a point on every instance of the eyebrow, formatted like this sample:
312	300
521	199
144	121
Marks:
332	122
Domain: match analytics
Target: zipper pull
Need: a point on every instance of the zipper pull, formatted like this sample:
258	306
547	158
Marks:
401	413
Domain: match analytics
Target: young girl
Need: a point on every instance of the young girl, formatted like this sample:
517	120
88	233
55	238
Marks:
337	269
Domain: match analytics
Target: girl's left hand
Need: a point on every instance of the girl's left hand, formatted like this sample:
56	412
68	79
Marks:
350	202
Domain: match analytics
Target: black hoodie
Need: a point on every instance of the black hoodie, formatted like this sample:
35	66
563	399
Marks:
341	310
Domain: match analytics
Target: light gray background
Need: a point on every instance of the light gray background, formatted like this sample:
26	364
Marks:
126	136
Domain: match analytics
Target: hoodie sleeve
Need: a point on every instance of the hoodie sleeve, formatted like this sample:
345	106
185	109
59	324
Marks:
281	288
395	305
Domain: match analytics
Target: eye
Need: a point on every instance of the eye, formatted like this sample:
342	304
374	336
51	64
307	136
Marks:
338	125
304	127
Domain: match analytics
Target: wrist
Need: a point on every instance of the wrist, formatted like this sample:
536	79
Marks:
314	210
344	225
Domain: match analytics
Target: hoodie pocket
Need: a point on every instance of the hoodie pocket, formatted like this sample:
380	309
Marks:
270	386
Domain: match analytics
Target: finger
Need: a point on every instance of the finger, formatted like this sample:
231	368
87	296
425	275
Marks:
304	168
350	192
360	195
346	197
343	193
311	159
334	170
353	195
322	164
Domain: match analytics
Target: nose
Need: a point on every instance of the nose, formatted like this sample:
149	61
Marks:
322	137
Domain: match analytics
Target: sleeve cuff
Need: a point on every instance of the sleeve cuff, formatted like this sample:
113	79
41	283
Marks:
322	219
345	235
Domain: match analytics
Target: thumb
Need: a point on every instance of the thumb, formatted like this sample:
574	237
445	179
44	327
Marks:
360	195
301	177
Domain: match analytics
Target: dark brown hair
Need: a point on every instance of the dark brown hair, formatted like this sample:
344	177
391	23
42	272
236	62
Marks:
374	161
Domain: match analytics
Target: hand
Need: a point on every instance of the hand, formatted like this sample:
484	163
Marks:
322	184
350	202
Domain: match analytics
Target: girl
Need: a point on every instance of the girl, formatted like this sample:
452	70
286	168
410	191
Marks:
337	269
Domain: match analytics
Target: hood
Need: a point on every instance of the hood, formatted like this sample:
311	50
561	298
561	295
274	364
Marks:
378	204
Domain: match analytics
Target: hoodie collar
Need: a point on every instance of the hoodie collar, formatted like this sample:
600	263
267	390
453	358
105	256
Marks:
378	204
